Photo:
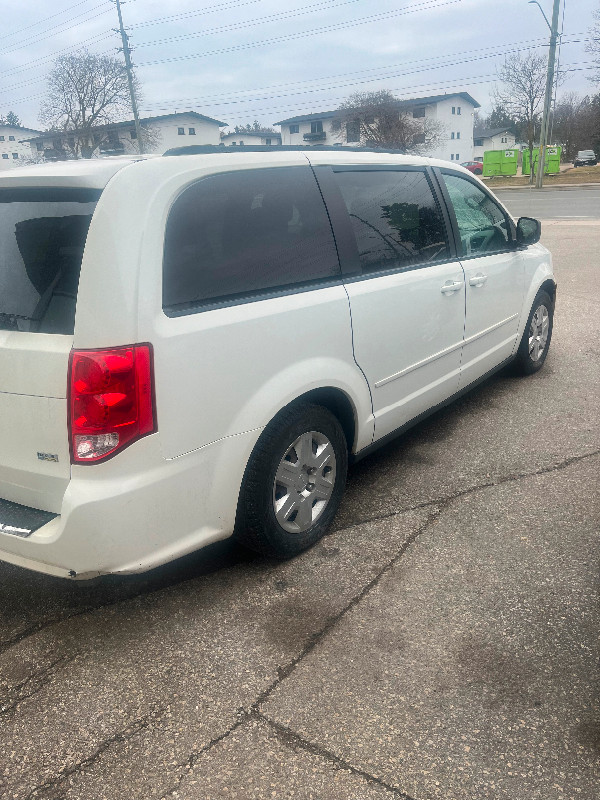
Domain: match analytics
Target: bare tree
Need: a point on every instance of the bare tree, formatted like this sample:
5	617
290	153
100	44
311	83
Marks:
85	91
593	47
377	119
521	93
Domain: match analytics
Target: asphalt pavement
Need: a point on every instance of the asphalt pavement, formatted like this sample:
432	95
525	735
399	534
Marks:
565	203
441	642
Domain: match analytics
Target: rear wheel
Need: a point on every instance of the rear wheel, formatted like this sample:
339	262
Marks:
534	345
294	482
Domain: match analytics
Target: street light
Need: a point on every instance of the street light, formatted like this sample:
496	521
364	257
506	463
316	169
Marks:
535	3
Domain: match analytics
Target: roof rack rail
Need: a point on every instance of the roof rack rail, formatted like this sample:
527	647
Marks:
199	149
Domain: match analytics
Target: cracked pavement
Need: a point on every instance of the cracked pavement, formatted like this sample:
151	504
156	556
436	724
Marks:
440	642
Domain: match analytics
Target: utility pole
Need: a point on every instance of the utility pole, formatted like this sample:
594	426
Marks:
539	182
129	68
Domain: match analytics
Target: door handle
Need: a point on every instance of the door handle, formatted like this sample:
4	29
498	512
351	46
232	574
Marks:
451	286
477	280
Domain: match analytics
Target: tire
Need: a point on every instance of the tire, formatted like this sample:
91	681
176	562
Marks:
537	335
284	508
478	172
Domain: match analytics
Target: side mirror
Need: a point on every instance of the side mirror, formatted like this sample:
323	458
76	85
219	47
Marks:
528	231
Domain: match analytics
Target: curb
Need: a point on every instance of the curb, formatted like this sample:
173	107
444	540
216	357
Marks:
494	187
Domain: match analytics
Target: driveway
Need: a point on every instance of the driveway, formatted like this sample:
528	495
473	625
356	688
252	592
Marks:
440	642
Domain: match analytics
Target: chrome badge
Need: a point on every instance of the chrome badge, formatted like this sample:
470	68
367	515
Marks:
48	456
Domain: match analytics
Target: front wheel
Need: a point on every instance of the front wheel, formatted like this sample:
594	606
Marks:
534	345
294	481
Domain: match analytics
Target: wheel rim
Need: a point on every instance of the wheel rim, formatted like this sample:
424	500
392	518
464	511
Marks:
304	482
538	333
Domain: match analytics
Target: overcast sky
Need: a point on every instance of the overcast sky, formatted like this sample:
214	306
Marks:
240	60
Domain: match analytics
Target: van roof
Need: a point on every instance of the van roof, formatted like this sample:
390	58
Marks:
93	173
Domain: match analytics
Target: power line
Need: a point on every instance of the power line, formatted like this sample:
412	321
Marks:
428	5
187	14
40	37
251	23
24	67
45	19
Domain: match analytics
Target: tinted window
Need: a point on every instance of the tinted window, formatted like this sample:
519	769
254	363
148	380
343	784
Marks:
396	220
42	236
244	232
481	222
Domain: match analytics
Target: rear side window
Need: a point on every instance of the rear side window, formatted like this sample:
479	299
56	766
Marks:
238	234
42	237
395	217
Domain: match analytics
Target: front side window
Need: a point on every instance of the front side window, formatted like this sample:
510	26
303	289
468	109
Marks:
42	237
396	219
238	234
482	224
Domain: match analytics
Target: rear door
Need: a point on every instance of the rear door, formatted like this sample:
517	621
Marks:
405	285
42	237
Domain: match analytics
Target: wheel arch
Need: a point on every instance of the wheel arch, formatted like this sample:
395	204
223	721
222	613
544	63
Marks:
340	405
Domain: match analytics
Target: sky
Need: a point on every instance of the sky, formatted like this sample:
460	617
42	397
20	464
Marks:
245	60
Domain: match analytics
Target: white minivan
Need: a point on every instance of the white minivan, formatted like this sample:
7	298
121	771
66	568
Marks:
196	345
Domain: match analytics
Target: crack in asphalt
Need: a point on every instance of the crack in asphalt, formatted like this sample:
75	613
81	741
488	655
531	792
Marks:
34	682
292	739
121	736
254	712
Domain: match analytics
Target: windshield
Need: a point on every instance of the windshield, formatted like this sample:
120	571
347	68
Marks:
42	236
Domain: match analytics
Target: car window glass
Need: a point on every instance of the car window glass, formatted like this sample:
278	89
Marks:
396	220
482	223
42	238
248	231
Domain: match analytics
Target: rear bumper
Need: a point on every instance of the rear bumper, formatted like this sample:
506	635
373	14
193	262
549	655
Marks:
137	511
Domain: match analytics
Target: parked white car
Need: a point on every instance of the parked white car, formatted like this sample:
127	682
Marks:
195	346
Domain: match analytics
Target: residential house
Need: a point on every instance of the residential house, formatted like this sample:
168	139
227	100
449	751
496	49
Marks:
256	138
13	150
119	138
491	139
454	112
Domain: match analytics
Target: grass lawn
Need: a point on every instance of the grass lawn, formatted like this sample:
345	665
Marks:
574	175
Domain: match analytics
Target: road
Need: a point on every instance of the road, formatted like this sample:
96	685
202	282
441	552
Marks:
441	642
572	203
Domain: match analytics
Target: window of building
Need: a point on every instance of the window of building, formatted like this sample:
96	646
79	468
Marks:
234	143
1	138
11	138
267	141
241	233
133	134
15	155
504	140
451	156
454	109
482	224
396	220
452	135
456	157
191	131
458	134
294	128
242	142
180	131
419	112
353	131
316	126
4	155
458	109
39	146
478	142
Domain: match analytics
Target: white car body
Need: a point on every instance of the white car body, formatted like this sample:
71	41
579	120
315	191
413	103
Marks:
395	346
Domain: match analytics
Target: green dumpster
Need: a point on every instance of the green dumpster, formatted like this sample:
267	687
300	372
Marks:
500	162
551	162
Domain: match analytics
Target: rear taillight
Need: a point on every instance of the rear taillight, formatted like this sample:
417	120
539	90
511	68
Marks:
111	400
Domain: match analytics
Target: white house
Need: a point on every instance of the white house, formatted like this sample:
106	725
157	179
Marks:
258	138
165	132
13	150
453	111
491	139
